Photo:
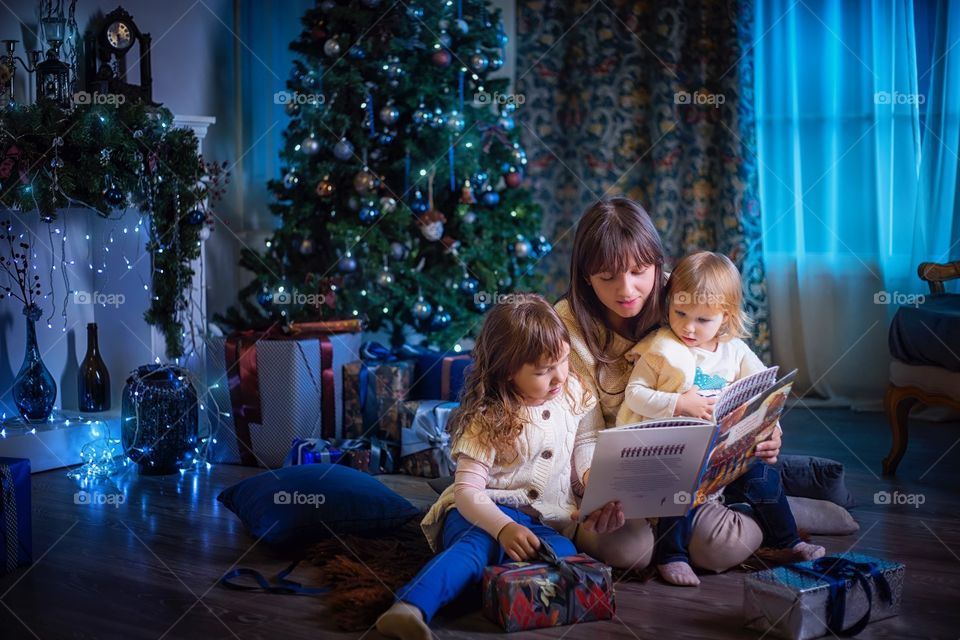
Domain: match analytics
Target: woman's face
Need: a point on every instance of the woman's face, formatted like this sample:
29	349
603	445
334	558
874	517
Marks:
624	294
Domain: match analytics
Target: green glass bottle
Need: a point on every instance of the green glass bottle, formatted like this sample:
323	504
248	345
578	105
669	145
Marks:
93	380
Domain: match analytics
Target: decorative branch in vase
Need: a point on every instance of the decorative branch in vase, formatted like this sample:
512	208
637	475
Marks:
34	389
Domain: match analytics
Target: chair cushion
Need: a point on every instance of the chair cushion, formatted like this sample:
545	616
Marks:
933	380
929	333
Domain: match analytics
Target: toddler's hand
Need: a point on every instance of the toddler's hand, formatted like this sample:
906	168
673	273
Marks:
519	542
695	405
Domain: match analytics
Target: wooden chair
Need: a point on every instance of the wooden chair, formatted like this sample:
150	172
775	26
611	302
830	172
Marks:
899	400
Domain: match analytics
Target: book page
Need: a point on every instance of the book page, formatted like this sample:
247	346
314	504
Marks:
738	436
743	390
650	468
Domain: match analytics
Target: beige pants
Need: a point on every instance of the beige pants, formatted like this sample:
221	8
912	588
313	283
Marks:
721	539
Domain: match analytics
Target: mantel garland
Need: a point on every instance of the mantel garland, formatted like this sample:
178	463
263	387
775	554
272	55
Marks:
107	158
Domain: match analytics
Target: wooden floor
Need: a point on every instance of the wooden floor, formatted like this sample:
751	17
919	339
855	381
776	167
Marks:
148	568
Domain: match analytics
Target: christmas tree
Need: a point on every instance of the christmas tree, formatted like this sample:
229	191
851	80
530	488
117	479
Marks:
401	199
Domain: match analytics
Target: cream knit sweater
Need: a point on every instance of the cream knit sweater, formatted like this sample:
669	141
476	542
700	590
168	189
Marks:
541	476
612	379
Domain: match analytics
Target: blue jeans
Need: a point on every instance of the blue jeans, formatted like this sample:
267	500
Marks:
761	488
467	551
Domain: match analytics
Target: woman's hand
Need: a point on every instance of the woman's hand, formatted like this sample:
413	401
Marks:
695	405
519	542
769	450
607	518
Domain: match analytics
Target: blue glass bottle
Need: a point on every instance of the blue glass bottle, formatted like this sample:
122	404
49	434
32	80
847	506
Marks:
34	389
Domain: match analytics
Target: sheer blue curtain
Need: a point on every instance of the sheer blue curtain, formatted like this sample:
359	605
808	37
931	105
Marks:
856	190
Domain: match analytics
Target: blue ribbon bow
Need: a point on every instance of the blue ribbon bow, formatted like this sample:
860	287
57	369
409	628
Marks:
836	571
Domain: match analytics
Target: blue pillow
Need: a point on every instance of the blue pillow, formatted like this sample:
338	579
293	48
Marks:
296	505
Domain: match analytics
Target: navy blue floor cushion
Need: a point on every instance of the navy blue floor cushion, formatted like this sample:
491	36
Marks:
918	333
813	477
305	503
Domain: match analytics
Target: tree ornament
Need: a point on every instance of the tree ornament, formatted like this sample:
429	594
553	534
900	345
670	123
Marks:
114	197
421	116
332	47
455	123
441	58
469	285
421	309
479	62
265	298
365	181
306	247
490	197
290	180
543	246
385	277
325	188
310	145
522	248
466	194
388	204
196	217
369	213
347	264
513	178
389	114
343	150
431	222
419	205
440	320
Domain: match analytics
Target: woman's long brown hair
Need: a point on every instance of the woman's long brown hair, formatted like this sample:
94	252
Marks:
610	236
525	329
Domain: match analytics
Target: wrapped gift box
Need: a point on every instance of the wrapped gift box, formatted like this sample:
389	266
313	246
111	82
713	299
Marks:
273	387
523	595
835	595
440	375
424	441
372	396
370	456
16	531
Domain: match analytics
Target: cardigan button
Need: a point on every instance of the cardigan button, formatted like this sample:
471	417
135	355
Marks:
533	494
547	454
546	414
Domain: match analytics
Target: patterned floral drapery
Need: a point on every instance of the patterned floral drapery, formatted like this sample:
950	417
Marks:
650	101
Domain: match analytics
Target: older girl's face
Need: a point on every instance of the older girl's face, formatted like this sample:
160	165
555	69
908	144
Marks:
624	294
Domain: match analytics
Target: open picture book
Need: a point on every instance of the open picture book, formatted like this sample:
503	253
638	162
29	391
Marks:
663	467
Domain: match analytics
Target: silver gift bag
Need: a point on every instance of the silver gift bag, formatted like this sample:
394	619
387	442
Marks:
830	595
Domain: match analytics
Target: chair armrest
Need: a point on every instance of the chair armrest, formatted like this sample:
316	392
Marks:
935	274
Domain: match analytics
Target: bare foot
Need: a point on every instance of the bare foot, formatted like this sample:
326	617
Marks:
403	621
679	573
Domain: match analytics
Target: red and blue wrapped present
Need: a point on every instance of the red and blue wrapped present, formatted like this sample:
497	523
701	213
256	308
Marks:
368	455
557	591
16	531
834	595
440	374
424	440
374	387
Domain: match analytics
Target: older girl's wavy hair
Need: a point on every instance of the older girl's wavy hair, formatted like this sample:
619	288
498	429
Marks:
525	329
711	279
612	235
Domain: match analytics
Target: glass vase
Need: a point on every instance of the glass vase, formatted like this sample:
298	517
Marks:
34	389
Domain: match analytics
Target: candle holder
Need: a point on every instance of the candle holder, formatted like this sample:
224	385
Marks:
9	64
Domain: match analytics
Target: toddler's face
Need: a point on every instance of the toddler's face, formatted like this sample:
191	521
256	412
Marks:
542	381
695	324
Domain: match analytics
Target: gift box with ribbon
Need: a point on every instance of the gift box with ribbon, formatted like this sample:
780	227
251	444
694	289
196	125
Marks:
440	374
276	385
554	592
424	441
836	595
370	456
16	531
373	390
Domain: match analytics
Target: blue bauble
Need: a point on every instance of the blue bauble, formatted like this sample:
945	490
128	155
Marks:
440	320
196	217
480	305
265	298
543	246
469	285
343	150
347	264
419	205
414	12
369	214
491	198
114	197
356	52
